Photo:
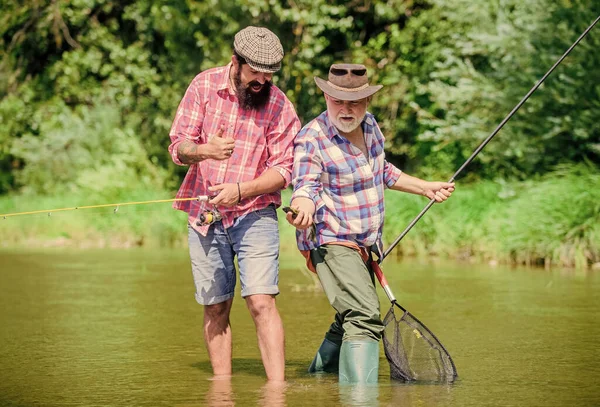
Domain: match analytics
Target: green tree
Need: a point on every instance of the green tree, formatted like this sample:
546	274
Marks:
452	69
456	69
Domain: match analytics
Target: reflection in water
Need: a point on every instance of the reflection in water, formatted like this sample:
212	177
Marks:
403	394
273	394
220	393
359	395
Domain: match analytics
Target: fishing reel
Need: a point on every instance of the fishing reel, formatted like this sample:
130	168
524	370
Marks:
209	217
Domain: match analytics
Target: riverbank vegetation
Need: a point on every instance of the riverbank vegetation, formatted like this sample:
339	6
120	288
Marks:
88	90
551	221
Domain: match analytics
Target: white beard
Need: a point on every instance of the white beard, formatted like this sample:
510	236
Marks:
347	127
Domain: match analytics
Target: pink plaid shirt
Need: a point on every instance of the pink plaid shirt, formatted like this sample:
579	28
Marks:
263	140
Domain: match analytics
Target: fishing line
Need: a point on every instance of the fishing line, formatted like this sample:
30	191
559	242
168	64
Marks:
49	212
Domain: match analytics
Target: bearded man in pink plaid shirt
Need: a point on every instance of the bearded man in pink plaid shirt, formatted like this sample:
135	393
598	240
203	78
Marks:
235	130
340	174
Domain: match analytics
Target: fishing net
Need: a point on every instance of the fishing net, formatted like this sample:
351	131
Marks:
413	351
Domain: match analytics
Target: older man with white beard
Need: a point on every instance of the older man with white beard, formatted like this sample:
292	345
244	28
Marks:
339	176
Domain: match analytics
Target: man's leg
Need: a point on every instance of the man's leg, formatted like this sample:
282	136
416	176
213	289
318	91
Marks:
256	241
328	355
217	335
269	330
349	286
214	277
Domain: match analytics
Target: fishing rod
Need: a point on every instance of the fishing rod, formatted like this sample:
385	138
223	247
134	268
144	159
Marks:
200	198
488	139
406	364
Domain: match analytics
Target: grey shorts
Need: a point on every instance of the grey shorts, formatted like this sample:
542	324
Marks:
254	238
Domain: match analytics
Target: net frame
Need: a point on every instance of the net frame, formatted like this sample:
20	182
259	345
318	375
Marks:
413	352
436	366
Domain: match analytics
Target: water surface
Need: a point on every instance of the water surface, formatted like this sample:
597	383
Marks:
121	328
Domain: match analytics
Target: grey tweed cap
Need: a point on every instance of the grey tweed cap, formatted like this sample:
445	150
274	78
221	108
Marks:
260	48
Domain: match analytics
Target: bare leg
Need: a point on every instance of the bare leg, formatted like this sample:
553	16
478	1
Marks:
269	330
217	335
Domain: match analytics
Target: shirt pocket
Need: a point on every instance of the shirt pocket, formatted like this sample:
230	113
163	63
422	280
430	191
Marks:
340	178
213	121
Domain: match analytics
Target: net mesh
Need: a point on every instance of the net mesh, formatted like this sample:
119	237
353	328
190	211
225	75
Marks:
413	352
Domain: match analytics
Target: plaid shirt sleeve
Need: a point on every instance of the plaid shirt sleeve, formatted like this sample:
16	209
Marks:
280	142
390	174
187	125
307	168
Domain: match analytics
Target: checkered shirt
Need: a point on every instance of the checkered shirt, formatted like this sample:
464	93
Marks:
346	187
263	140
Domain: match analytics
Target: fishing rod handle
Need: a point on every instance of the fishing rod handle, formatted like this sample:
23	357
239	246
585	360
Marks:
383	281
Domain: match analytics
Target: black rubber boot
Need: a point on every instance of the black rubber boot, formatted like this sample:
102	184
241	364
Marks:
326	359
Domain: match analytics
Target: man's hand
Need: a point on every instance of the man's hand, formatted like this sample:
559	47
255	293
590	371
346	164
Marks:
227	194
219	148
305	210
440	191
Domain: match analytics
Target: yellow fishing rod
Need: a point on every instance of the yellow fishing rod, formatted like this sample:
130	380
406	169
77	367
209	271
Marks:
200	198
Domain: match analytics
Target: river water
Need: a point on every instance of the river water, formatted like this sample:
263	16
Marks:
121	328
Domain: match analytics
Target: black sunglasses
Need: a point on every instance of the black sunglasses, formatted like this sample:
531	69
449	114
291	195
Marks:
343	71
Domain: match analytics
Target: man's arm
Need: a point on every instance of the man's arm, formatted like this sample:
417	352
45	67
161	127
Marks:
400	181
280	141
187	124
269	181
306	178
217	148
280	145
189	152
188	146
231	194
440	191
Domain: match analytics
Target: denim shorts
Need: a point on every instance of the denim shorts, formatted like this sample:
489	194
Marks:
254	238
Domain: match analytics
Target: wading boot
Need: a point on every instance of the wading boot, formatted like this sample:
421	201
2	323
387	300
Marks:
327	358
359	362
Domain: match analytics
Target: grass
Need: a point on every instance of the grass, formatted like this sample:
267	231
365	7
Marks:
154	225
551	221
554	220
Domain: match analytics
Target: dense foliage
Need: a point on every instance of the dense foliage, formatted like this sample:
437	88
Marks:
88	88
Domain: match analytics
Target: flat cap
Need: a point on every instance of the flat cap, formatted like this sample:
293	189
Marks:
260	48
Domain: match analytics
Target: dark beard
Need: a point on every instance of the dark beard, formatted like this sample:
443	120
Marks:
248	99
